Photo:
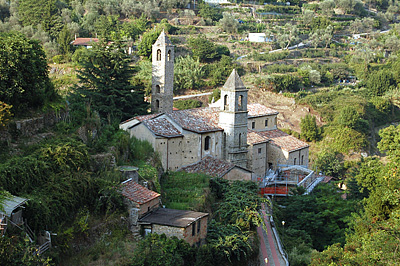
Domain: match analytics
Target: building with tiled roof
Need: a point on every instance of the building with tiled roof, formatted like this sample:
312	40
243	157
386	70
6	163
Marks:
245	135
139	199
85	42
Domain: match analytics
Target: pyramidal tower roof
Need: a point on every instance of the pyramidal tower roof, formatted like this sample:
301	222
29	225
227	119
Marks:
163	40
234	82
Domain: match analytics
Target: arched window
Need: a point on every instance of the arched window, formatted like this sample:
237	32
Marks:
225	102
302	160
158	89
169	55
207	143
157	104
224	147
158	55
240	102
240	140
295	161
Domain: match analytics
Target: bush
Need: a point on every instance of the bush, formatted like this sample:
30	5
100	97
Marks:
187	104
58	59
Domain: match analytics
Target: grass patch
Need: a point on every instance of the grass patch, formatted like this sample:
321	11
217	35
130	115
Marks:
185	191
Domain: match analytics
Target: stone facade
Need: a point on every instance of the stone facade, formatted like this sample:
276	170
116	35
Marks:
189	234
230	129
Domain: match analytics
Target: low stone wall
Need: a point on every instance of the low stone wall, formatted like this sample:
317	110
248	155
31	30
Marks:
31	126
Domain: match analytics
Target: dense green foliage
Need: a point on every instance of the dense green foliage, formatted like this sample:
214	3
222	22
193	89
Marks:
187	104
377	225
313	221
205	50
159	250
309	128
24	80
105	83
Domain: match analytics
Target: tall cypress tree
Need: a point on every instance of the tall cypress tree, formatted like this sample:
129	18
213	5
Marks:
105	82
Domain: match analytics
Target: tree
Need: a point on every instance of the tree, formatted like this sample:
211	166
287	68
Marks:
24	80
327	7
64	41
329	163
309	128
5	114
105	82
160	250
228	23
308	16
205	50
380	82
188	73
208	11
390	141
286	35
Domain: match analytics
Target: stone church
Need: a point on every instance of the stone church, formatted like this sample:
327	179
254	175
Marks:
244	135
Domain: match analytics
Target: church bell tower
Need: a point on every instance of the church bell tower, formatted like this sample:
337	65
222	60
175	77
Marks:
233	119
162	75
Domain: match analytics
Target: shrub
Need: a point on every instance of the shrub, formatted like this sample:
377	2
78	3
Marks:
187	104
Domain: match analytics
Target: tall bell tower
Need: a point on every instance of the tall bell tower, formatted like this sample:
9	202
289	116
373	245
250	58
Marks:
162	86
233	119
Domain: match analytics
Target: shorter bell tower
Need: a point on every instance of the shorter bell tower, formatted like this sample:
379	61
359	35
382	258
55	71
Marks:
233	119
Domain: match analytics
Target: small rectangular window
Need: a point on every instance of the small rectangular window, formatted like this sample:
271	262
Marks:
266	122
198	227
193	229
253	124
259	150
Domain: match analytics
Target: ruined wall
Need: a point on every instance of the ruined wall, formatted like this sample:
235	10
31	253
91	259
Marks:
31	126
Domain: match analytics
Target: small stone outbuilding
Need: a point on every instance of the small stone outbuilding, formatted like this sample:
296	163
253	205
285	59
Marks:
187	225
139	200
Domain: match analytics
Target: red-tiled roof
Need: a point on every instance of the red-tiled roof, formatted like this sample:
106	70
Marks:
209	166
283	140
84	41
257	109
199	119
137	193
254	138
162	127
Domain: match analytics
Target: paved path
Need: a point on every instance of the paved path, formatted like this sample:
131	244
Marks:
192	95
268	245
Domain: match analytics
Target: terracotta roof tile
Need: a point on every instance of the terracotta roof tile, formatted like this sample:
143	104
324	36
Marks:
137	193
256	109
255	138
84	41
198	120
162	127
209	166
283	140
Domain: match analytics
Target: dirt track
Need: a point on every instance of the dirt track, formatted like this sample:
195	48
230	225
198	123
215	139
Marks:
290	113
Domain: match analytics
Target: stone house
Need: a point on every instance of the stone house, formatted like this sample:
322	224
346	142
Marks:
84	42
139	200
187	225
232	130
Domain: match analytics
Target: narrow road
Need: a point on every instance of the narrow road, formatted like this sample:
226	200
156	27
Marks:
192	95
269	255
